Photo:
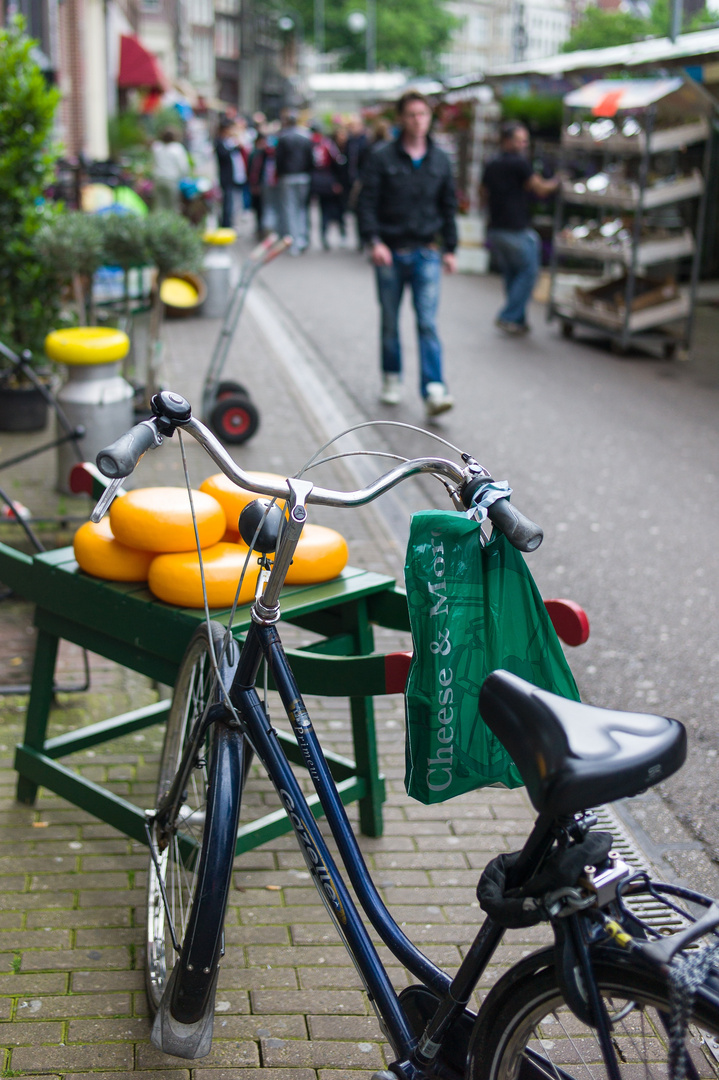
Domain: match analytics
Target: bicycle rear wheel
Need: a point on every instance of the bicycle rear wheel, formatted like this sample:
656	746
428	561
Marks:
193	855
525	1029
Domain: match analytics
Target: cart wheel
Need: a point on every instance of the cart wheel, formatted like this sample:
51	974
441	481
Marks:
616	347
567	329
669	350
234	419
226	388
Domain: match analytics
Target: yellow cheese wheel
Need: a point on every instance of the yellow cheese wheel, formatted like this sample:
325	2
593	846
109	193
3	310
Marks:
320	556
159	519
219	237
87	345
100	554
234	499
175	578
176	292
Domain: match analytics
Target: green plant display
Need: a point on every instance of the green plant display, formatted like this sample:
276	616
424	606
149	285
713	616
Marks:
127	135
172	243
125	245
29	288
539	113
74	246
124	240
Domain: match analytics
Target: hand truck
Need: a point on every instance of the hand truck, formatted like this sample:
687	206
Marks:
226	405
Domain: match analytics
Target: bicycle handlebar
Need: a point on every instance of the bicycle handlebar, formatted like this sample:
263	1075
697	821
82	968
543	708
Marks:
119	460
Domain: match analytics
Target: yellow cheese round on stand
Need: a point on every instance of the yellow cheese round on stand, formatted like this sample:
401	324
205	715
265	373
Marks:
320	556
234	499
159	519
175	578
100	554
176	292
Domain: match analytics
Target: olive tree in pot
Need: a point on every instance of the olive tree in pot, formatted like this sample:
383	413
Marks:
73	245
172	244
29	288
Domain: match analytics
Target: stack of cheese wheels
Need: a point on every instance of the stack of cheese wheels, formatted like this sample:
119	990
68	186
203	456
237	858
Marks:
150	536
321	553
100	554
161	519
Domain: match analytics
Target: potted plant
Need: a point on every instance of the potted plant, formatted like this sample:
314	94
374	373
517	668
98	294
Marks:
73	244
29	289
172	244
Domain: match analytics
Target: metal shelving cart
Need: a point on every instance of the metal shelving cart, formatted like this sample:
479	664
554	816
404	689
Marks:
635	149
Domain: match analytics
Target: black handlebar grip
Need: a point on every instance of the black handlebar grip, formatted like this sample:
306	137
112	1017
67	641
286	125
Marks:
121	457
519	530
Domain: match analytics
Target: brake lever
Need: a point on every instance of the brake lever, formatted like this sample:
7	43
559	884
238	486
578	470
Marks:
103	503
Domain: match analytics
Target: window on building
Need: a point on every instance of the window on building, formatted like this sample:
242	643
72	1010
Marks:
227	38
477	29
202	57
201	13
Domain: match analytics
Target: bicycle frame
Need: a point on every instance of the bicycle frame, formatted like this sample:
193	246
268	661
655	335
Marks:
417	1056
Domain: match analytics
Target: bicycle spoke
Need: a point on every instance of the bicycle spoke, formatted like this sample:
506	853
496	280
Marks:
563	1046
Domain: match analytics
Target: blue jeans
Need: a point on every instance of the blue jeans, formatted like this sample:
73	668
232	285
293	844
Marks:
227	217
294	195
421	269
517	255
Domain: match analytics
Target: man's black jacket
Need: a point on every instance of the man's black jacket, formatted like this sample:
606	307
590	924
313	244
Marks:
226	173
403	205
294	153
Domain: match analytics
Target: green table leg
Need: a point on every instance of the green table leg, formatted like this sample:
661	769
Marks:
365	747
364	734
38	709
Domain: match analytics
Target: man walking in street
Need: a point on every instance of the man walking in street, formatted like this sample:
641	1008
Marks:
507	187
406	214
293	164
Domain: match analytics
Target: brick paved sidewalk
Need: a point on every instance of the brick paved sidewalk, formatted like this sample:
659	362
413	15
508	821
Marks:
72	889
72	915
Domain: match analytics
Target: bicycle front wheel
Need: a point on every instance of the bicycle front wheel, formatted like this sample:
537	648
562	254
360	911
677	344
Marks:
190	873
527	1030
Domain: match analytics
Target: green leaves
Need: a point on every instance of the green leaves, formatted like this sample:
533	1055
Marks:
411	34
29	295
599	29
172	243
27	108
124	239
72	244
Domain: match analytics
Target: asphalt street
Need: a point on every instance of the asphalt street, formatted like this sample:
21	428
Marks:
616	457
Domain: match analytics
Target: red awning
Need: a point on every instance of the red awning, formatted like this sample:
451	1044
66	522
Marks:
138	67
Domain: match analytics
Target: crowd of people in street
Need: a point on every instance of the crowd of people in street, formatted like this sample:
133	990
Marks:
398	183
277	169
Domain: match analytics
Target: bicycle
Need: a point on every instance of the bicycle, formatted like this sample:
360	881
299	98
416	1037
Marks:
607	997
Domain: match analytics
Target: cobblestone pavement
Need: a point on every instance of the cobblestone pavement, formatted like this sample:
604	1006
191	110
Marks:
72	889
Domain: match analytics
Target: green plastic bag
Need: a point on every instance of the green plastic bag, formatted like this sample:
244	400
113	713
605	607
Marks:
472	609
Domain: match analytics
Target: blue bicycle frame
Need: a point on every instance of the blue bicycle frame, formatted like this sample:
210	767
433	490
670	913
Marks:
264	641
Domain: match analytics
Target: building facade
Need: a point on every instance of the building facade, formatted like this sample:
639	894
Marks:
491	32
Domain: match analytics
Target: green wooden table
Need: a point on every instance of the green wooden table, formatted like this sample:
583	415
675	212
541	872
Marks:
125	623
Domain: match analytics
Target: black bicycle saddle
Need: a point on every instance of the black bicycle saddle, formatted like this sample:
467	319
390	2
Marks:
573	756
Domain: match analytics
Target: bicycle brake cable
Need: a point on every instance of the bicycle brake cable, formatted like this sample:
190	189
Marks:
373	423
